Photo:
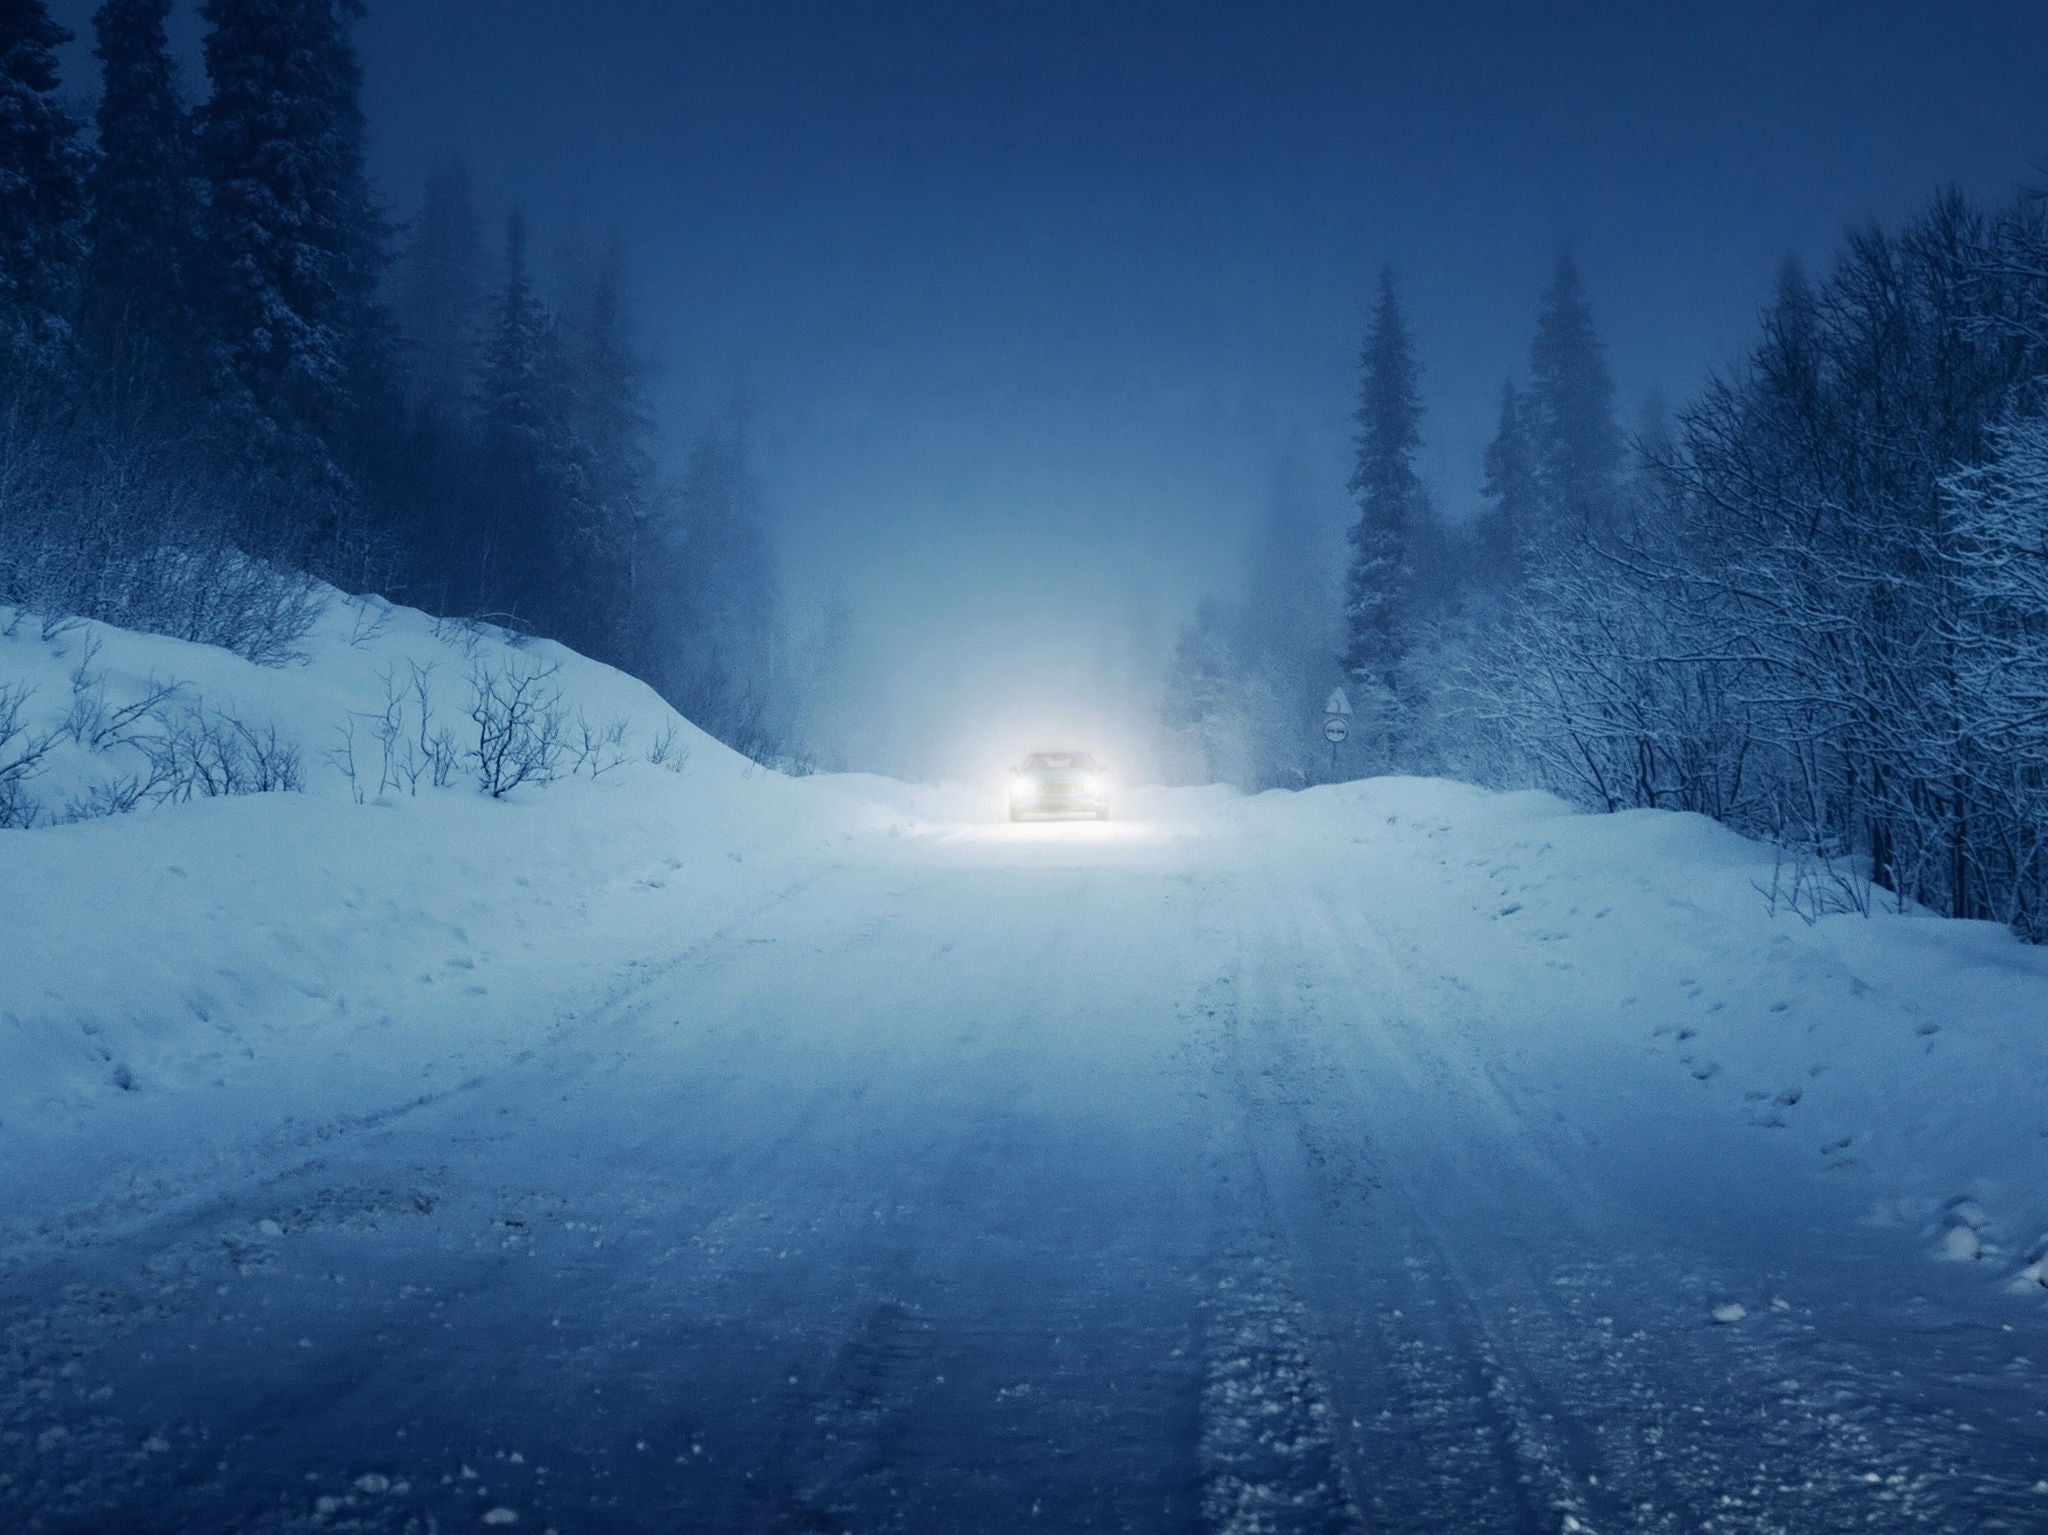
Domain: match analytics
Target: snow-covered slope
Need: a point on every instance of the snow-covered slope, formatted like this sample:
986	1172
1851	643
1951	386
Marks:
180	981
364	660
1904	1055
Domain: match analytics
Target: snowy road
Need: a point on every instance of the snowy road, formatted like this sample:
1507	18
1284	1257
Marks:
1192	1173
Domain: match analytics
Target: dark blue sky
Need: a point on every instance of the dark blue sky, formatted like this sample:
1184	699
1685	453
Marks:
1031	298
1077	264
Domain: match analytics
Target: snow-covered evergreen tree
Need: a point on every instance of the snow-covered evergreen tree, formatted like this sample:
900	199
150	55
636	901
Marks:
1204	703
719	635
294	247
614	422
1513	509
533	479
1577	450
42	195
136	315
440	294
1378	589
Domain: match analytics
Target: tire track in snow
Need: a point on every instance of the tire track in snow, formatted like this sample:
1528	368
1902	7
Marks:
1576	1326
843	1461
167	1252
208	1192
1271	1464
1411	1432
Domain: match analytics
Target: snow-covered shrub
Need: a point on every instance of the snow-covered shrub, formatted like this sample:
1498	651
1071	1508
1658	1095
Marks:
597	749
201	753
22	751
667	750
520	725
124	532
413	748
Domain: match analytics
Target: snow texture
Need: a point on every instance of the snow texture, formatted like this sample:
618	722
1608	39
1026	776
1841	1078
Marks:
706	1148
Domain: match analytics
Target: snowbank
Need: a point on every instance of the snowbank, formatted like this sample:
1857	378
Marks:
1905	1056
182	979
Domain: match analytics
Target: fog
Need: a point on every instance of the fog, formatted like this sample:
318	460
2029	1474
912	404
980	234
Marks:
1030	306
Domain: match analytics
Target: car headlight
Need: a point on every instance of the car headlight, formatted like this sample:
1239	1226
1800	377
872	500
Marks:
1094	784
1023	788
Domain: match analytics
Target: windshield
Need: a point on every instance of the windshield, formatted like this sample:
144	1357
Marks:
1060	762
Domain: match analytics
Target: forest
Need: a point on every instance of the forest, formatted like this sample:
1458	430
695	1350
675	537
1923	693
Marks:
1810	601
230	373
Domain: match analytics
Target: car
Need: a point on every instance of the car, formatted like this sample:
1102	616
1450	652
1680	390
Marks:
1059	783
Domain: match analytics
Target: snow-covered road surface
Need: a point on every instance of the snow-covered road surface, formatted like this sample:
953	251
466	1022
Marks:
1344	1162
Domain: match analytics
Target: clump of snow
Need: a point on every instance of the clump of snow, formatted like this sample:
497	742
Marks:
1961	1245
1728	1312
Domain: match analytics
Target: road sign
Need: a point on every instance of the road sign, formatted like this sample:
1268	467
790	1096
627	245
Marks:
1335	729
1338	705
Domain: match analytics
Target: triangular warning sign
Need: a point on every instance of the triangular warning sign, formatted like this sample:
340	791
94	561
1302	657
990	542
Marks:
1338	703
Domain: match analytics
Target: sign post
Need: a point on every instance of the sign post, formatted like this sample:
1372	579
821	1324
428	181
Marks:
1336	724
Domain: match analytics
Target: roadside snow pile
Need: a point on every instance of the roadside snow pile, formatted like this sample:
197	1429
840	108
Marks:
179	979
383	701
1904	1056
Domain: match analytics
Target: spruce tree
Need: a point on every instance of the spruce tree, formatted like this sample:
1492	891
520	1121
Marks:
42	195
136	314
1513	508
294	248
1577	449
613	423
720	632
1378	595
440	294
1202	701
532	484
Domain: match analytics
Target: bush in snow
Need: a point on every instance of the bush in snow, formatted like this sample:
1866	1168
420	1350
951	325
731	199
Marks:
520	725
413	749
127	532
203	754
21	757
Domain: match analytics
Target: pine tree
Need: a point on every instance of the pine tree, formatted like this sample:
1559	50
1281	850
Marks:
1203	703
725	630
1378	595
532	479
613	422
294	247
1577	450
1513	508
1286	634
42	195
1644	497
137	315
440	294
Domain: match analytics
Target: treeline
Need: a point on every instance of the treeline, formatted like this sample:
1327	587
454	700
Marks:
224	371
1813	604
